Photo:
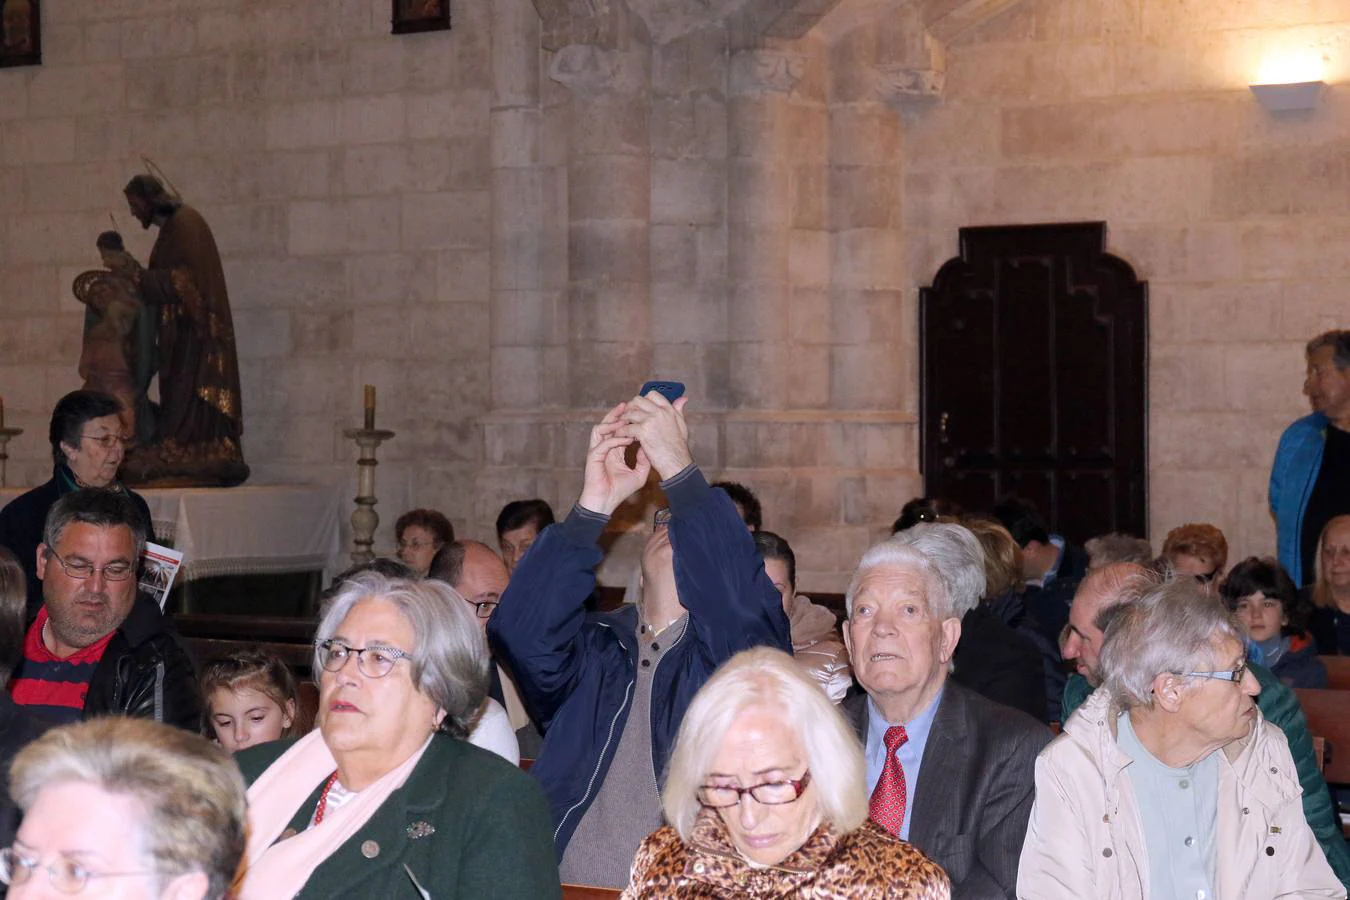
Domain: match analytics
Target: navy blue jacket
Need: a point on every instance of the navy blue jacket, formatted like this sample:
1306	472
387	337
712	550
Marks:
576	671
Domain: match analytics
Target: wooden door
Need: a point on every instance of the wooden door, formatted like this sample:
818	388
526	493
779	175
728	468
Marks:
1033	359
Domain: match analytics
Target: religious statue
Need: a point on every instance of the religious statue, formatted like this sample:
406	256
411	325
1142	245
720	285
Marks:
110	356
198	422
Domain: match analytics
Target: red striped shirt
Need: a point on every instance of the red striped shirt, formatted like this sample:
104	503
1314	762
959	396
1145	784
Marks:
50	685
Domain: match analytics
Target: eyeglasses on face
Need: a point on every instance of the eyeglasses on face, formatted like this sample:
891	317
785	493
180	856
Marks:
769	793
373	662
1207	577
108	441
483	608
1234	675
65	874
662	517
118	570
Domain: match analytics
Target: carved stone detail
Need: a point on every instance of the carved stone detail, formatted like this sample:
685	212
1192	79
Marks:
766	71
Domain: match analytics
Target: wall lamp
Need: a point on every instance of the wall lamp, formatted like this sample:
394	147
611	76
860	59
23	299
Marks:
1290	82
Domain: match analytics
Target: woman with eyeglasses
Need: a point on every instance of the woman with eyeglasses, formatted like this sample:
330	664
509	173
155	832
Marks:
124	809
766	796
1168	782
386	798
87	448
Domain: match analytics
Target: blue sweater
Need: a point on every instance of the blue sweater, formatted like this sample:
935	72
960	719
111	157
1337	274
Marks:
576	670
1292	477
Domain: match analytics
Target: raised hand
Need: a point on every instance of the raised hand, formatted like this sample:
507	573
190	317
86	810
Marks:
609	481
659	426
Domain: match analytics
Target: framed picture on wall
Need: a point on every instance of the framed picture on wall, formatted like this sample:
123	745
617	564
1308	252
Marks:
20	33
411	16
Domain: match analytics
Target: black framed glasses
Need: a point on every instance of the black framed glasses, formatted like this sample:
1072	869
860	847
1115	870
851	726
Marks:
117	570
662	517
1207	577
108	441
483	608
373	662
418	545
65	874
1234	675
769	793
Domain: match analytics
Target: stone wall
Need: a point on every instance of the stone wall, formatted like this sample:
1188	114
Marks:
349	176
1138	113
509	225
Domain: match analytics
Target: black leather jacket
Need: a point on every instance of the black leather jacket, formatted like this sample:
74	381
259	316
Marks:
146	672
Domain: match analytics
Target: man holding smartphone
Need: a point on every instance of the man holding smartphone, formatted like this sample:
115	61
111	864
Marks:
610	689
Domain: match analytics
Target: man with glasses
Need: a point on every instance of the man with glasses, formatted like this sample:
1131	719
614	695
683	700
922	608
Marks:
87	448
1103	592
96	647
610	689
480	576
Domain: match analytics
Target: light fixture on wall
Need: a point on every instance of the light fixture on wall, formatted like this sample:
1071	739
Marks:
1290	81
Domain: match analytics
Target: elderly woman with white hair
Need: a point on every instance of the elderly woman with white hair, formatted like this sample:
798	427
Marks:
1167	782
766	796
386	797
125	809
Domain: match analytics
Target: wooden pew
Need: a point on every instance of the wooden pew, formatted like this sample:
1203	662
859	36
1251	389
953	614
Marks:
1328	715
1338	672
586	892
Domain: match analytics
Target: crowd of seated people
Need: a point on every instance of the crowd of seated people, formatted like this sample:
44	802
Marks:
720	736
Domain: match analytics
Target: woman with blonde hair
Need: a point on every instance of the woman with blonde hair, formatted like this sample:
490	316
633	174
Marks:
766	795
1330	593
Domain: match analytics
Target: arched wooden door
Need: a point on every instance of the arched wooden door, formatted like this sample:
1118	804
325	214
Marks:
1034	362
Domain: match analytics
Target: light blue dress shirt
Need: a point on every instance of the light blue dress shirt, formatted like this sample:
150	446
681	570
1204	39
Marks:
910	753
1178	814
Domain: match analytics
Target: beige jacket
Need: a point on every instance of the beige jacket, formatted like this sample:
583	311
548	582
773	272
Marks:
1084	838
817	647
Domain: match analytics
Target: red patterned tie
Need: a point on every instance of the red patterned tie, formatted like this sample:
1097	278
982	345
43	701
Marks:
888	800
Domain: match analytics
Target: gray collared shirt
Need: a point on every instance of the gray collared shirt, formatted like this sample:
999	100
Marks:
1178	814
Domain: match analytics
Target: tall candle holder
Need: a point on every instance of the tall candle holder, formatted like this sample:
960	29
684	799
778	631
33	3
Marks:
364	518
5	435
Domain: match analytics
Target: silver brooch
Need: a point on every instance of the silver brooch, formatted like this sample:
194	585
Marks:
420	830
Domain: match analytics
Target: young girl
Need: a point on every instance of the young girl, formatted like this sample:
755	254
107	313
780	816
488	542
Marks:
250	698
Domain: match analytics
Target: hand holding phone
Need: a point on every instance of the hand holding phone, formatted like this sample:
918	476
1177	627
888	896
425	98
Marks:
671	390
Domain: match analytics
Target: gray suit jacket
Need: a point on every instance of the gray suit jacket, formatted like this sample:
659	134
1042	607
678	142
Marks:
977	781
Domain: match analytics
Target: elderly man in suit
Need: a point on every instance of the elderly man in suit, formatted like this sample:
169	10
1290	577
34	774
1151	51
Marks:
949	771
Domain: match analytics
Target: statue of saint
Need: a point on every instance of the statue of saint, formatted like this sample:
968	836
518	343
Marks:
198	422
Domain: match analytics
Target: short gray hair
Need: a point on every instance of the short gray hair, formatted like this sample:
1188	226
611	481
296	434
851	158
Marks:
449	653
949	556
767	678
189	790
1338	341
100	507
1175	626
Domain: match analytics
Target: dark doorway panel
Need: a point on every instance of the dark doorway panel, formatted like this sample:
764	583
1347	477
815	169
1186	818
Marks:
1034	361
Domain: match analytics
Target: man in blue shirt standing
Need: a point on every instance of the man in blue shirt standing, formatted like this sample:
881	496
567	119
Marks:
1310	479
949	771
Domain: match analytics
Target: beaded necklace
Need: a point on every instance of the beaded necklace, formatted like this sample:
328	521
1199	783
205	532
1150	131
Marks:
323	798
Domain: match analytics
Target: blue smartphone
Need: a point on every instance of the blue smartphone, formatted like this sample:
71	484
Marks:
671	390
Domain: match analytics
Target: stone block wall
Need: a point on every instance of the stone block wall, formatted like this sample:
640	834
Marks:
1138	113
509	225
349	176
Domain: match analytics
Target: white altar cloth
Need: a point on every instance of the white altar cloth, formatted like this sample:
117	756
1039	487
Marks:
246	530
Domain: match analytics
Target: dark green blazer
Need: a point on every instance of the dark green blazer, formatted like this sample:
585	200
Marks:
469	825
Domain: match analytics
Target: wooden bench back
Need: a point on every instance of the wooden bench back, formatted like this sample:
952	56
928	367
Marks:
586	892
1328	715
1338	672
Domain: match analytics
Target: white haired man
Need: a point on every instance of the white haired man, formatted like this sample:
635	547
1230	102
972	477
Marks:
947	770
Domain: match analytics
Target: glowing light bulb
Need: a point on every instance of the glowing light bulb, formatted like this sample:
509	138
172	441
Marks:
1292	67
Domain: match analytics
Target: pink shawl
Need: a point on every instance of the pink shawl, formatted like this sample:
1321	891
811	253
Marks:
280	870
